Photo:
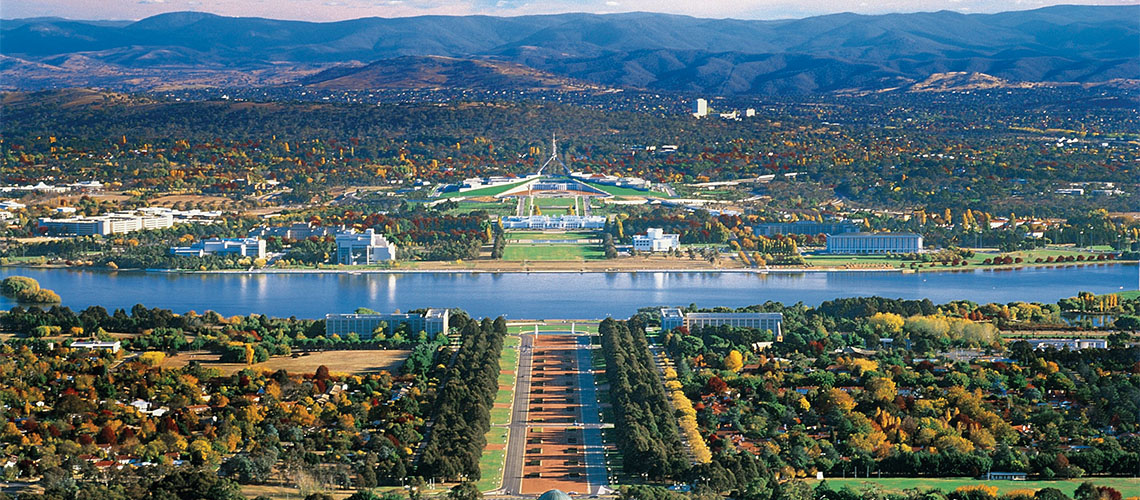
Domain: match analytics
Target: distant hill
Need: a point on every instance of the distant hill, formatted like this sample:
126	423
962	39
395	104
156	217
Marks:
436	72
1081	44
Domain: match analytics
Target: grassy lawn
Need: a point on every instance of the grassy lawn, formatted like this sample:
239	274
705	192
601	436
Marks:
544	251
621	191
497	208
1127	486
500	416
976	261
554	202
840	260
487	191
1131	294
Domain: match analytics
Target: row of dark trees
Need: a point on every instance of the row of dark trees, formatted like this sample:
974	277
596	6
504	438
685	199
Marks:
463	406
646	426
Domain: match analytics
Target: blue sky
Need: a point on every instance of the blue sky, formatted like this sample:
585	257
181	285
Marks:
329	10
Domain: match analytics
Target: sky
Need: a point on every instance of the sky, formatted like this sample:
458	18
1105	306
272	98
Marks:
333	10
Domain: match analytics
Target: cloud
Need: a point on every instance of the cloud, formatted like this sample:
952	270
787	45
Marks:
612	3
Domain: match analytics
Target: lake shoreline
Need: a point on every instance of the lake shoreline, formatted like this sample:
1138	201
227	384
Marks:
444	271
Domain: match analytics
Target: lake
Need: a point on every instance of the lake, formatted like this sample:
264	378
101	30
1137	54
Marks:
552	295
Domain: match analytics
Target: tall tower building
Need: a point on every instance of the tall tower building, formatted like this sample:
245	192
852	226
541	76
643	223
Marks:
700	108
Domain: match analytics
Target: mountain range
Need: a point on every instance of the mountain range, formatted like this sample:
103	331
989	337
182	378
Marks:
1077	44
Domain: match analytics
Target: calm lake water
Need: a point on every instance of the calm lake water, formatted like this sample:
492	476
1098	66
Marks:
549	295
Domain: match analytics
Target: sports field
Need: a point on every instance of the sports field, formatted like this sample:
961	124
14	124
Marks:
1128	487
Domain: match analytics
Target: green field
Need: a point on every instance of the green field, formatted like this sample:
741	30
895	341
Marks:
487	191
1129	487
491	463
621	191
545	251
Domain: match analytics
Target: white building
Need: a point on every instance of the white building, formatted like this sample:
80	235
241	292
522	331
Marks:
1070	344
104	224
672	317
874	243
700	108
297	231
562	222
432	322
12	205
98	344
245	247
365	248
655	240
125	222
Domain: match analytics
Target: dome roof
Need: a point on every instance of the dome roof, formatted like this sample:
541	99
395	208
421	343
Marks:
554	495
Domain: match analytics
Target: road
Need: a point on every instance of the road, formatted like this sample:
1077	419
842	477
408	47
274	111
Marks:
591	418
516	439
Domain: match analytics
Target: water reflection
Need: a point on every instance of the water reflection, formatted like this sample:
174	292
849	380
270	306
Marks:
586	295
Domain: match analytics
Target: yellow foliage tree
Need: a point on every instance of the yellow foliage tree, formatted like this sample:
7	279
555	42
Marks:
734	361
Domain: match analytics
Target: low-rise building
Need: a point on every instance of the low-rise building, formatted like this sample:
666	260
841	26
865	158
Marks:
1006	476
804	227
245	247
1070	344
125	222
557	222
112	346
365	248
296	231
874	243
432	322
673	317
656	240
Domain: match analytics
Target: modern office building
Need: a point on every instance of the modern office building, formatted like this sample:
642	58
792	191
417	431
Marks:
365	248
1070	344
125	222
104	224
656	240
874	243
562	222
673	317
296	231
431	322
803	227
700	108
244	247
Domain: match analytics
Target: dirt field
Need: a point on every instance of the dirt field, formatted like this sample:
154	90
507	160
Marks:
351	362
554	446
168	200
